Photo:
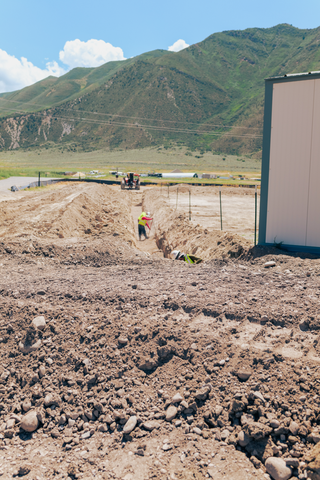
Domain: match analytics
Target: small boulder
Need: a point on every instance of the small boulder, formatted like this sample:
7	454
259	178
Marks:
130	425
177	398
278	469
238	405
51	399
274	423
294	428
259	396
257	430
203	393
26	405
39	323
171	413
30	422
102	428
218	410
292	462
269	264
244	374
151	425
243	439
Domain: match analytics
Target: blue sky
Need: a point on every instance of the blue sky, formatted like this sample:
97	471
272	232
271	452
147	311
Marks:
38	30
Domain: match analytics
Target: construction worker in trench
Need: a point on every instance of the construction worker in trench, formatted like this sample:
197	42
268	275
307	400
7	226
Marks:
143	220
190	259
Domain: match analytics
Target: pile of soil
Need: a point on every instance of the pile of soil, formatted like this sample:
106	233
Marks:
144	368
175	232
66	211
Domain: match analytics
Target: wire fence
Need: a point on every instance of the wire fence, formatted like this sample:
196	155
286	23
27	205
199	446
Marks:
42	183
228	212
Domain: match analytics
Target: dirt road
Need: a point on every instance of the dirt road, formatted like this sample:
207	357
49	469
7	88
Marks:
140	367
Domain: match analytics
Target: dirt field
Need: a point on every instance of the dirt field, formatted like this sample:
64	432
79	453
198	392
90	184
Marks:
118	363
238	207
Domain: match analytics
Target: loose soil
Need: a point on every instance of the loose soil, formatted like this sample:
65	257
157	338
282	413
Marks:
146	367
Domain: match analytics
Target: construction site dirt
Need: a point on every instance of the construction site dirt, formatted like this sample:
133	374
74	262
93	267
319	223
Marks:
119	363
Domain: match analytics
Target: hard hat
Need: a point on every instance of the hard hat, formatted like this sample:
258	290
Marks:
175	254
148	213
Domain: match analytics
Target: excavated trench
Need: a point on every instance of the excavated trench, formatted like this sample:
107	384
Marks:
173	231
149	246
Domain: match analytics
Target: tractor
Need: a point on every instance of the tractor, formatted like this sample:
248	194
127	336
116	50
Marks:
131	181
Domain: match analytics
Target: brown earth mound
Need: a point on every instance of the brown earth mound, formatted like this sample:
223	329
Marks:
65	211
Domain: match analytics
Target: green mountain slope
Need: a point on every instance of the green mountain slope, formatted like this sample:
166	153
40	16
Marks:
52	91
208	96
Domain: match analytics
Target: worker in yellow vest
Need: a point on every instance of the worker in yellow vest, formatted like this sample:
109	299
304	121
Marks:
143	220
190	259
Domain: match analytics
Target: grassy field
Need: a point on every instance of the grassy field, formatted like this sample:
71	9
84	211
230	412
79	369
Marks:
55	162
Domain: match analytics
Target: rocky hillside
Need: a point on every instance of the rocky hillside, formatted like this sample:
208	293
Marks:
163	98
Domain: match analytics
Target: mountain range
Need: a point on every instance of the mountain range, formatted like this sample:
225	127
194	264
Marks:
207	97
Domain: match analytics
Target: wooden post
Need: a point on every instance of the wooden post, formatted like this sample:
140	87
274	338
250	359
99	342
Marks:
190	204
39	184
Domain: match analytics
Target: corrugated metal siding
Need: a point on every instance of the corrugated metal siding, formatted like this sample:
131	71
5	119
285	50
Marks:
290	155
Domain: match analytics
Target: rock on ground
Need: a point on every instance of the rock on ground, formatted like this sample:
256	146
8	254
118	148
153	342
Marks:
278	468
30	422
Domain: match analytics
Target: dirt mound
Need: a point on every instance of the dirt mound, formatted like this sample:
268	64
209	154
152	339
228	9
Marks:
66	211
174	231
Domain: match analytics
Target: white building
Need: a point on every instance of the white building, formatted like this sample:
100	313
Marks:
290	181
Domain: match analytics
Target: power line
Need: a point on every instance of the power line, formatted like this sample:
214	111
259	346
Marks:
126	116
152	127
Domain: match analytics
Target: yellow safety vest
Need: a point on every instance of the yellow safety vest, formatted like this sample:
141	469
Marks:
188	259
140	221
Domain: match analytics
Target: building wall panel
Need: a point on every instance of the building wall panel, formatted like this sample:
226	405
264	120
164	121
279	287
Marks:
313	218
290	156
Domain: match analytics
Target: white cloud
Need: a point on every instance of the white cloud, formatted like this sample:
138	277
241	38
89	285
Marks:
178	45
92	53
16	74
